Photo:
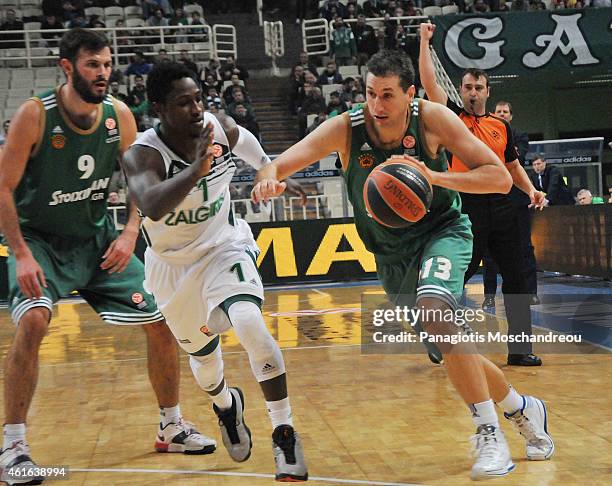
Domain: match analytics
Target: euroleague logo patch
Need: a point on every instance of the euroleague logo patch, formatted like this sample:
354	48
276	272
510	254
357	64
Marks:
409	141
205	330
137	297
366	161
110	123
217	150
58	141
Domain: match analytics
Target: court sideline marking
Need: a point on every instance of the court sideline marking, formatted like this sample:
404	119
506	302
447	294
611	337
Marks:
235	474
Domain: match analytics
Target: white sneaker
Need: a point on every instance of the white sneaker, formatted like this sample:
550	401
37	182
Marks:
183	437
492	453
532	423
18	456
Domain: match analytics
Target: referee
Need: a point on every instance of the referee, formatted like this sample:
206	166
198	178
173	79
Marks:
494	219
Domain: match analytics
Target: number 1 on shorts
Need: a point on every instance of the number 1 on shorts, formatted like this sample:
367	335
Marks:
236	267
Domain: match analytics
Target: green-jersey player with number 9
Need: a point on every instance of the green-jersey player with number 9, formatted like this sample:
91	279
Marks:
54	172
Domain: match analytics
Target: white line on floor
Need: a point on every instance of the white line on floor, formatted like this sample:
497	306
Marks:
235	474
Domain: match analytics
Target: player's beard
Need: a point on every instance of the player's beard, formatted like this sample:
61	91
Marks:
83	88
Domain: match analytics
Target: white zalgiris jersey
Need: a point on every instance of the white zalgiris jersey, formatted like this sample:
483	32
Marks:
204	220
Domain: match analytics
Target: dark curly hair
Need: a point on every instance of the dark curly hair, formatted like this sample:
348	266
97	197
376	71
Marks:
161	77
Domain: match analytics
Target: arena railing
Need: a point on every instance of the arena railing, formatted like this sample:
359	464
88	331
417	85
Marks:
316	33
40	48
283	208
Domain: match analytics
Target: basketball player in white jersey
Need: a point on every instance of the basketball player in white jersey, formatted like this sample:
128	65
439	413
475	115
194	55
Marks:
200	260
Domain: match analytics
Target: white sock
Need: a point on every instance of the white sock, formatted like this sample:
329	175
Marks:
223	399
280	412
483	413
512	402
13	433
170	415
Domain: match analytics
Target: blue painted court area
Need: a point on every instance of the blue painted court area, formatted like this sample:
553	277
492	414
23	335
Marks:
569	304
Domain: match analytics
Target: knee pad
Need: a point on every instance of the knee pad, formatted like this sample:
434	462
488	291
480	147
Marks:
208	369
264	354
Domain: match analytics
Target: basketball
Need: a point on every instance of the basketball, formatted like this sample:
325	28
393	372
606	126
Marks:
397	193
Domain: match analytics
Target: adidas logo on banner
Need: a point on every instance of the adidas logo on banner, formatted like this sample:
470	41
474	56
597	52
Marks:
365	147
57	129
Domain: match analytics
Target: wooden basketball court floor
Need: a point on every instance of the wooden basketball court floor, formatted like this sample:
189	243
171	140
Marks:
364	419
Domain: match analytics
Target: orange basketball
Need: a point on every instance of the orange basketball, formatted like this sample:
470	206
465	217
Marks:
397	193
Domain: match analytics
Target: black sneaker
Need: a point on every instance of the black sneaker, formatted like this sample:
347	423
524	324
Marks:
524	360
288	455
488	302
234	432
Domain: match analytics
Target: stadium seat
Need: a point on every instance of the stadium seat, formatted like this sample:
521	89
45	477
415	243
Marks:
329	88
22	74
44	83
99	11
33	26
450	9
432	11
346	71
14	103
17	83
188	9
20	93
46	73
4	4
32	13
40	52
132	12
10	56
113	13
134	22
229	83
310	119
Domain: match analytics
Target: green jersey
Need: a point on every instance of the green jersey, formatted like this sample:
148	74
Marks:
63	190
391	244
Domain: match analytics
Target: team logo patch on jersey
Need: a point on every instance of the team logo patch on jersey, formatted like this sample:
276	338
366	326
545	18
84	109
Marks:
217	150
366	160
110	123
495	134
205	330
57	129
409	141
137	298
58	141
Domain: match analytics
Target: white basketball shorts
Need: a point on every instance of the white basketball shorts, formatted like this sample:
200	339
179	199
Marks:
186	294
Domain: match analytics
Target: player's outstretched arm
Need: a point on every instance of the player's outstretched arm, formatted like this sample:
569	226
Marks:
331	136
155	195
426	67
21	141
445	129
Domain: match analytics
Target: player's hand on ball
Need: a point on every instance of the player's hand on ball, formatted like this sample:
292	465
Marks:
205	150
266	189
430	174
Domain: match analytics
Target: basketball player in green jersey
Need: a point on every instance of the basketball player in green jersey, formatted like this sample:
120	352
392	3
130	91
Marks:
54	172
429	258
